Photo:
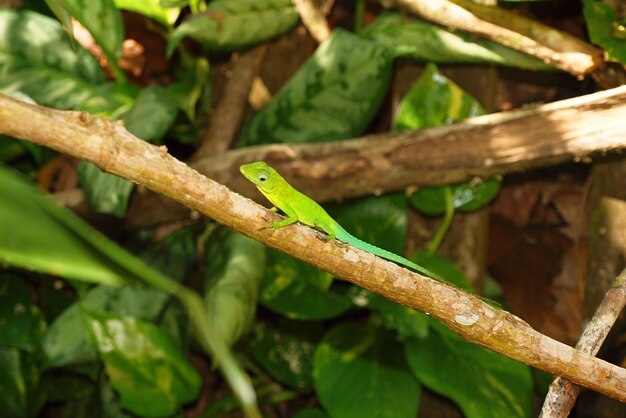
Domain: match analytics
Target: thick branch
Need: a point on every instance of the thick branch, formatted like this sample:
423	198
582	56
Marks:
113	149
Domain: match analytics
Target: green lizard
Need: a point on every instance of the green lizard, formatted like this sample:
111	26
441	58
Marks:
299	207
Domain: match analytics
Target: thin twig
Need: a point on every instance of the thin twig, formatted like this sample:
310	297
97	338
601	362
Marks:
313	19
115	150
562	394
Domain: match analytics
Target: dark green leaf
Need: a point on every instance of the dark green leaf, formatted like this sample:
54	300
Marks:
21	323
63	387
358	373
333	96
466	197
106	193
102	19
299	291
154	9
20	392
231	25
604	29
37	59
380	221
426	42
193	82
152	114
145	368
10	149
483	384
235	267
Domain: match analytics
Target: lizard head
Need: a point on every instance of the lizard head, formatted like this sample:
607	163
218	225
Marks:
262	175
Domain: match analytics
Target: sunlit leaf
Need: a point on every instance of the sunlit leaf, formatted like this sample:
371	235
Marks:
605	29
153	9
37	59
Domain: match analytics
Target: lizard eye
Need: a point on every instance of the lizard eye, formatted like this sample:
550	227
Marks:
262	177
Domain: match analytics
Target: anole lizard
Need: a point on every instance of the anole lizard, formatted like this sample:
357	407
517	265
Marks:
299	207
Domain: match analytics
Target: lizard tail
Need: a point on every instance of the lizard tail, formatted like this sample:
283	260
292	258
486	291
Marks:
345	236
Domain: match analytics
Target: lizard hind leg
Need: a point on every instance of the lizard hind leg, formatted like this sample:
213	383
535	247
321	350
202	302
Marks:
331	234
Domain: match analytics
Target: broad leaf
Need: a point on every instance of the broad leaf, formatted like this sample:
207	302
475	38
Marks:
231	25
358	373
145	368
21	395
152	114
234	266
333	96
605	29
466	197
106	193
310	413
36	58
483	384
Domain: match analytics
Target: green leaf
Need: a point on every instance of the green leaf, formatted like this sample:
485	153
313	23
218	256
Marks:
150	374
21	323
104	21
310	413
435	100
426	42
106	193
20	392
152	114
154	9
286	351
380	221
235	266
466	197
483	384
358	373
230	25
10	149
333	96
49	242
299	291
64	17
37	59
605	29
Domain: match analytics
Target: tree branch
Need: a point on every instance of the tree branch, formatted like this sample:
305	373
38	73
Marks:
114	150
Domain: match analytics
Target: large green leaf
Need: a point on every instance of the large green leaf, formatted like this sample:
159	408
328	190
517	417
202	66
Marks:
21	323
49	242
230	25
423	41
152	377
106	193
286	351
152	114
104	21
21	395
235	266
333	96
605	29
483	384
358	373
36	58
466	197
299	291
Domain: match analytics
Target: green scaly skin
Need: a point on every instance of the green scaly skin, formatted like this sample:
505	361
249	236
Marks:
299	207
